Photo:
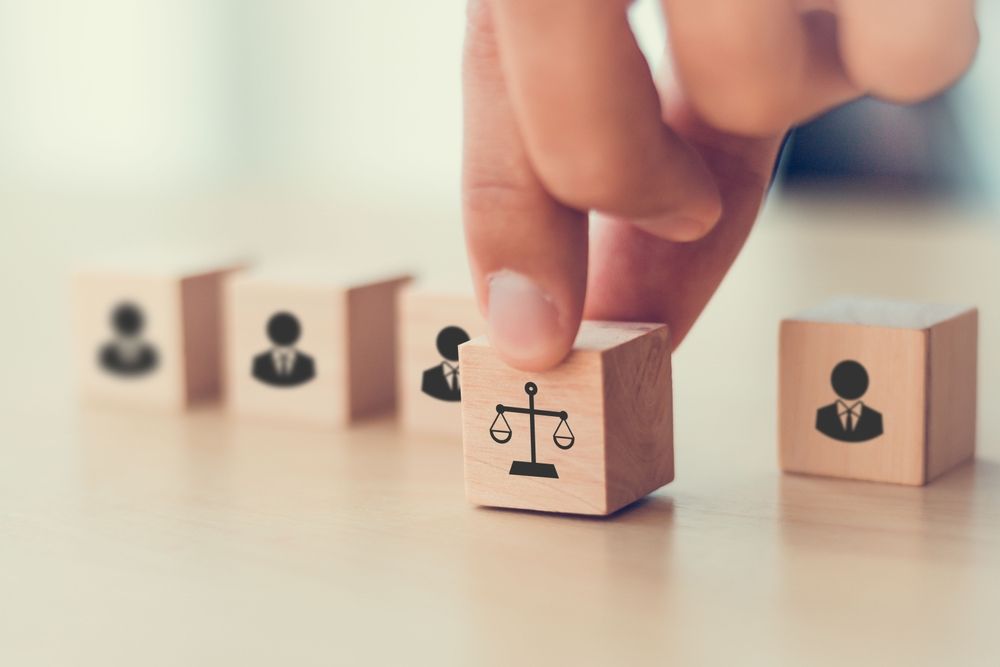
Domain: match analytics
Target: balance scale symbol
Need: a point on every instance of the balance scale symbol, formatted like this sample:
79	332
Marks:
562	437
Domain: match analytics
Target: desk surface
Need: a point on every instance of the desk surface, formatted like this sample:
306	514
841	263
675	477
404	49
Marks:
200	539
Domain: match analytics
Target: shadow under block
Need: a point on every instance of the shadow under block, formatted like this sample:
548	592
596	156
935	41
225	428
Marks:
920	362
342	361
149	337
615	390
422	314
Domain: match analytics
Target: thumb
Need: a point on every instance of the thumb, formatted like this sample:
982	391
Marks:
528	253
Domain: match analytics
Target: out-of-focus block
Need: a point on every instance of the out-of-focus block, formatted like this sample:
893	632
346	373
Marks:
318	349
882	391
150	334
432	324
587	437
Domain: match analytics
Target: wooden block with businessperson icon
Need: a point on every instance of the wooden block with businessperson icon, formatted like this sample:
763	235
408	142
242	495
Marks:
311	346
590	436
433	322
875	390
148	331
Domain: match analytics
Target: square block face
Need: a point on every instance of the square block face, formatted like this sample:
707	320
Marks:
885	439
429	391
286	356
128	338
586	439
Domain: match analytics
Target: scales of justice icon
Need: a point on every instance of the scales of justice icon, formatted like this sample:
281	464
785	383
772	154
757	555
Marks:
562	437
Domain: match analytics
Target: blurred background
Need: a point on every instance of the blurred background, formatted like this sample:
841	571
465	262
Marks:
316	130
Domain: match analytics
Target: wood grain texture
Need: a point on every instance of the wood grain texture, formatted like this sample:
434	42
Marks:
900	362
638	417
354	366
952	392
422	313
614	387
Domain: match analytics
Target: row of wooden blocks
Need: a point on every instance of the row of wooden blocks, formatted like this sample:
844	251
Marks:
873	390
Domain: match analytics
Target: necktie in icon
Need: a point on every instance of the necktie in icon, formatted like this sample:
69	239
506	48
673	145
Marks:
451	373
851	414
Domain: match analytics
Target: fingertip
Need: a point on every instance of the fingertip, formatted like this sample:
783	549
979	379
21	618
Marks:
526	325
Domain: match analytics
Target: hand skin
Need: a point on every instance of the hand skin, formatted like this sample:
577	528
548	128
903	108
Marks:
591	189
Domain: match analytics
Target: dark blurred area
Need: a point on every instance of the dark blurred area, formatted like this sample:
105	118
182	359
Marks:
870	147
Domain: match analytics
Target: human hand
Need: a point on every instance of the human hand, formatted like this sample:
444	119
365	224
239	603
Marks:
563	118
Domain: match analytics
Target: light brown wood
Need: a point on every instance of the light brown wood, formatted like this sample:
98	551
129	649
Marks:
423	313
952	380
201	319
615	390
921	366
347	329
180	327
372	328
131	537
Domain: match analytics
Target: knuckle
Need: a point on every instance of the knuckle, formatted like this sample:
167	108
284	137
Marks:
490	196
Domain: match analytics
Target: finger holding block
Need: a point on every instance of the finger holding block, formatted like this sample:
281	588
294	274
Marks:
311	347
587	437
432	324
876	390
150	332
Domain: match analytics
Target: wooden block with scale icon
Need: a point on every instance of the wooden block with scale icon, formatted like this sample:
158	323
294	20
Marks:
587	437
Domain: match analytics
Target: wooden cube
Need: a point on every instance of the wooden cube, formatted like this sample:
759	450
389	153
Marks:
315	348
587	437
432	323
878	390
150	334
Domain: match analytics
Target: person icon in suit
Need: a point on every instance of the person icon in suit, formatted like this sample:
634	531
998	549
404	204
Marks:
848	419
442	381
283	365
127	355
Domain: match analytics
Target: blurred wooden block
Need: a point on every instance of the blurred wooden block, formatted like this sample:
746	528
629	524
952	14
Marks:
150	334
432	323
317	349
603	423
878	390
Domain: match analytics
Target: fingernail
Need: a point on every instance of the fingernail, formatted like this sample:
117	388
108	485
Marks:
523	320
672	227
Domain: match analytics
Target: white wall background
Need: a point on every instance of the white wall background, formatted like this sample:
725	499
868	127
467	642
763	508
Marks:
140	96
170	95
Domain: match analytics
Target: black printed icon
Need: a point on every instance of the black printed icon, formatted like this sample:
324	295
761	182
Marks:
848	419
562	437
442	381
127	355
283	365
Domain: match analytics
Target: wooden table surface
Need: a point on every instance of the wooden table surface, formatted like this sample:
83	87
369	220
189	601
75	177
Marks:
156	539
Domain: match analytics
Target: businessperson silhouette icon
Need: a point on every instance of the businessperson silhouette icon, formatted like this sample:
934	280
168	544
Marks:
442	381
283	365
562	437
848	419
128	355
